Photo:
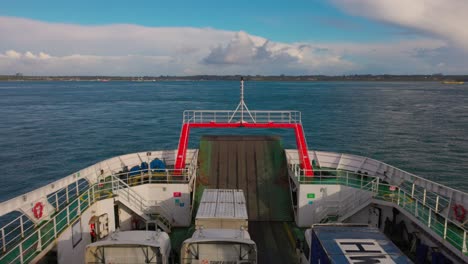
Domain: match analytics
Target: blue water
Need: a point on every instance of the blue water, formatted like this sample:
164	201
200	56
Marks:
49	130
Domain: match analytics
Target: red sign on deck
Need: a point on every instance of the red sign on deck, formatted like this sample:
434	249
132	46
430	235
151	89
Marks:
177	194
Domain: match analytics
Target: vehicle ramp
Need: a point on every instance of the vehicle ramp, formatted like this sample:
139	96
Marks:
257	165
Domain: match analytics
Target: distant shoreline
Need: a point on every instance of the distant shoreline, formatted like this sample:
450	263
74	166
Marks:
304	78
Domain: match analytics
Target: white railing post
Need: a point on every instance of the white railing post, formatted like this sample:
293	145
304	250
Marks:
445	228
347	179
437	204
66	194
92	193
424	197
68	215
21	253
56	202
79	205
22	226
412	190
464	249
430	218
55	227
3	240
39	240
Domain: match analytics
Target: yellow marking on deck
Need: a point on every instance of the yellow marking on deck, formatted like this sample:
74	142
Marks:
290	236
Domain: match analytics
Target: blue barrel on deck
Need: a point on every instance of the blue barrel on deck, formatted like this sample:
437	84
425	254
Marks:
144	166
135	170
157	165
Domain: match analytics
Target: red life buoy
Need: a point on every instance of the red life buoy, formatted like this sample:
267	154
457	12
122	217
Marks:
38	210
459	212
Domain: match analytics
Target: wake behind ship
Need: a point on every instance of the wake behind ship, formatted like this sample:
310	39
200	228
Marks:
237	199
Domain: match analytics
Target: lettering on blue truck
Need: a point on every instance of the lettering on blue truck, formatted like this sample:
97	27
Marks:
364	251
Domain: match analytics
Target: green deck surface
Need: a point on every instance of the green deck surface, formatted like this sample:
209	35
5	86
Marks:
255	164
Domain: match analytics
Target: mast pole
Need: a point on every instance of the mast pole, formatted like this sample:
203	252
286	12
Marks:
242	99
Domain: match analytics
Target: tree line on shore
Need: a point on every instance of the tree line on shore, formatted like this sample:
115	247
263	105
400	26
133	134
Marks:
354	77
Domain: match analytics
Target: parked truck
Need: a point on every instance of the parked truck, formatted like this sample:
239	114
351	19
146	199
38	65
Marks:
349	243
221	230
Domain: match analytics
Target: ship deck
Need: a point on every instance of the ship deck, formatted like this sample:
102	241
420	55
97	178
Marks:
260	167
257	165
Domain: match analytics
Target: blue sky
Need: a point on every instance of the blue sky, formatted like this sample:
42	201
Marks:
355	35
285	21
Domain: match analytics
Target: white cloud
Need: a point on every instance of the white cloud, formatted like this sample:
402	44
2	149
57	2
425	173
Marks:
12	54
40	48
243	50
445	19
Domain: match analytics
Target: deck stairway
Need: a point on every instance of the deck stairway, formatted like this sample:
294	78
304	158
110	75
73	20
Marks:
25	244
430	210
355	201
131	199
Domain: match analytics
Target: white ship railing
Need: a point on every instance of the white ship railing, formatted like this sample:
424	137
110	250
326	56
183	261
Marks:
221	116
22	239
42	235
18	228
35	238
426	206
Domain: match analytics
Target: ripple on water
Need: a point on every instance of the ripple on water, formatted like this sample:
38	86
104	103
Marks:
51	129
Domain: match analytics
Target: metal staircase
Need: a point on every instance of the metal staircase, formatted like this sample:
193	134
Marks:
357	200
131	199
338	211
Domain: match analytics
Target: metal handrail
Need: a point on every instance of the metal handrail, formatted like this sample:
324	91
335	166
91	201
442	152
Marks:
21	230
83	197
398	196
172	175
300	175
226	116
80	198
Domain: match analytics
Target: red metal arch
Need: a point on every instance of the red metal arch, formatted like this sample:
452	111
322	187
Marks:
300	140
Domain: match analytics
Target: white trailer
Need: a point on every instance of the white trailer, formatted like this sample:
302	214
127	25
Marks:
221	234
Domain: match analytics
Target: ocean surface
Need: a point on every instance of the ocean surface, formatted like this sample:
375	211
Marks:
49	130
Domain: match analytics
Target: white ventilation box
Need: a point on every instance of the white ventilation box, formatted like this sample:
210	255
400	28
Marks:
222	209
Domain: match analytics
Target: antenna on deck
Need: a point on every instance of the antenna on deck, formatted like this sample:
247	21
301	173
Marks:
243	107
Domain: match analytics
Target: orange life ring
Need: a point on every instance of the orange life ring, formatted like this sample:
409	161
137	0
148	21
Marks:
38	210
460	212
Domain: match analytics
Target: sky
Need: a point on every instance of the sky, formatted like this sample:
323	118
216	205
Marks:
136	38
